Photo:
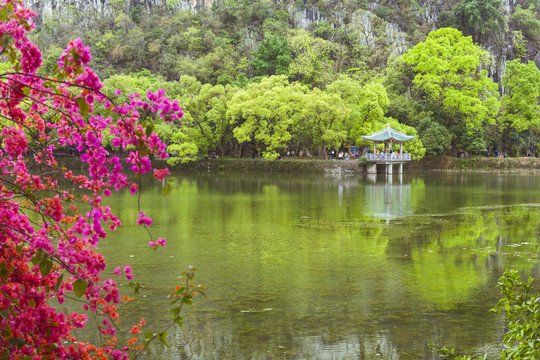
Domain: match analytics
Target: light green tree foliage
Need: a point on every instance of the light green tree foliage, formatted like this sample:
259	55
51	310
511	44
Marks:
189	86
182	148
312	62
367	103
323	119
265	112
130	84
207	124
210	67
447	67
520	104
350	91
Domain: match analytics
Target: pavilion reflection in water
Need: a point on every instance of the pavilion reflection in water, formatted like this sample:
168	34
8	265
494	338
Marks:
387	197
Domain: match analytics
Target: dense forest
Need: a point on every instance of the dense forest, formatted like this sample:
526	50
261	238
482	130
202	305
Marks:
266	76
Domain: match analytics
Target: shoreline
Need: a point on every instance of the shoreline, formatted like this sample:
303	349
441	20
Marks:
321	166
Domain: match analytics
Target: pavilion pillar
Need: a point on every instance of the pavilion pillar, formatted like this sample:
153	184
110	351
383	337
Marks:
389	169
372	169
374	147
401	148
400	171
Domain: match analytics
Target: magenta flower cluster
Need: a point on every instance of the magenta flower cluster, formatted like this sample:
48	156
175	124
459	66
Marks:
50	234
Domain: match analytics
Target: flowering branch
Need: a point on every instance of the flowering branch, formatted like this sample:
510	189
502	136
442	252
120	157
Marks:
52	255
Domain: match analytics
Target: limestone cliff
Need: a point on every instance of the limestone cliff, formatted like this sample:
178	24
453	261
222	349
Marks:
397	29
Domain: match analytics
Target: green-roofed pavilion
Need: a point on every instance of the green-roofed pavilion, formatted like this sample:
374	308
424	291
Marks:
388	136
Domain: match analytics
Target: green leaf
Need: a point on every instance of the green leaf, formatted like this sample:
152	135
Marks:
5	355
76	56
79	287
6	332
37	257
178	321
4	13
16	342
58	282
45	265
4	313
175	311
162	338
3	270
180	290
84	107
150	129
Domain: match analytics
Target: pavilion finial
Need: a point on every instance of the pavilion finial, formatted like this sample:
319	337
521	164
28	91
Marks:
388	124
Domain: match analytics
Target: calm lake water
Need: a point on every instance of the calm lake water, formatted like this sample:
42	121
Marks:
326	267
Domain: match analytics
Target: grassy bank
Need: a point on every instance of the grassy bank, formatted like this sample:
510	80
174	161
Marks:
476	164
319	166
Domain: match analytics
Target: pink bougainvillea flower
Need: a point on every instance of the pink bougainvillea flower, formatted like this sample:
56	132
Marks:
143	219
157	242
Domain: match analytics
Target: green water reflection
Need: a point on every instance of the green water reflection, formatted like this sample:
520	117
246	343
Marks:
331	267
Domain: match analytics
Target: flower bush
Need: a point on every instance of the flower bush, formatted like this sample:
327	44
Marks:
48	232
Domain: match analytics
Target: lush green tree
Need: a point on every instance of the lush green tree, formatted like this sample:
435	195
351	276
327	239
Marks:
207	123
264	114
211	66
181	148
447	68
367	104
520	113
526	20
323	29
312	62
435	137
272	57
520	103
277	24
323	119
130	84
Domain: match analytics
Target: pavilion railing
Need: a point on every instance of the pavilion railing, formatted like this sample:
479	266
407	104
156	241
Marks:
388	157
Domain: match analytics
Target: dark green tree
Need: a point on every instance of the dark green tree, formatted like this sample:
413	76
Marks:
435	137
272	57
478	17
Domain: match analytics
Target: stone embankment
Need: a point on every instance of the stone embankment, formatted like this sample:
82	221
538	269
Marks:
476	164
296	165
286	165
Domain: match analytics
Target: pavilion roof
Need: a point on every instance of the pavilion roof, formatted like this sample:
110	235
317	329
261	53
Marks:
388	134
